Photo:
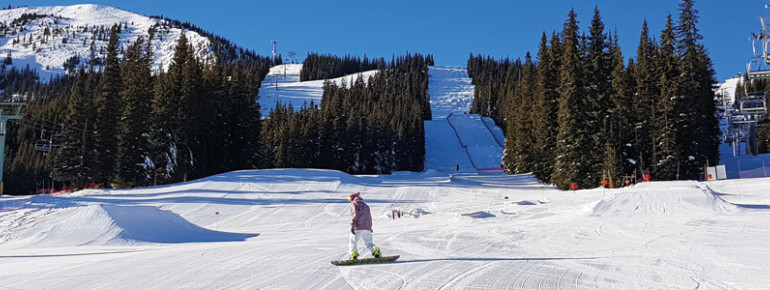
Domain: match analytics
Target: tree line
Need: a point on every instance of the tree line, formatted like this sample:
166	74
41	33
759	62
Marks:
368	126
577	113
125	126
322	67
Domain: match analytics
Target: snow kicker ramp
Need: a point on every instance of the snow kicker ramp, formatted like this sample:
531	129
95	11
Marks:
645	199
101	225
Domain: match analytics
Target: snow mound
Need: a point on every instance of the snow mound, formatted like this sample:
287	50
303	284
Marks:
646	199
433	173
151	224
103	225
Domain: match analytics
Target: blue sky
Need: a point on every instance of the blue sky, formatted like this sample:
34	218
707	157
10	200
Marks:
449	29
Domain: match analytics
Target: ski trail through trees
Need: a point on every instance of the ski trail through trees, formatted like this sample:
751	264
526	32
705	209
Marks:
454	139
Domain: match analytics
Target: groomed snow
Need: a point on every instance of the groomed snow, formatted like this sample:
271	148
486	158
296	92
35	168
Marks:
282	85
281	228
454	139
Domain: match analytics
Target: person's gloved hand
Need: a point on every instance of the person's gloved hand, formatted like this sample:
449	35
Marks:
352	231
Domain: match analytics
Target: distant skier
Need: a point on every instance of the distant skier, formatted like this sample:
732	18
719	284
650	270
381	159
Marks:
361	226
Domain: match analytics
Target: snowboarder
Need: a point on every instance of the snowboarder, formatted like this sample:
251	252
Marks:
361	226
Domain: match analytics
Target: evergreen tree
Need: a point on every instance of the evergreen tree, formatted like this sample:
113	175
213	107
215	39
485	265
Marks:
133	144
598	73
646	76
621	125
572	139
166	124
193	108
519	152
699	126
75	162
667	122
546	107
164	129
108	109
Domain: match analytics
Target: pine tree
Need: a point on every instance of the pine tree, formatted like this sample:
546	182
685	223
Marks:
546	107
699	127
133	145
193	109
519	152
75	161
572	140
621	115
108	108
163	129
167	138
667	122
247	142
598	72
647	78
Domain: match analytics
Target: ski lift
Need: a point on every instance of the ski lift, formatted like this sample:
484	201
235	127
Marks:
764	39
45	145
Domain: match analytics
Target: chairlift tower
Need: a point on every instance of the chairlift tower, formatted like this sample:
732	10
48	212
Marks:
8	111
275	50
275	53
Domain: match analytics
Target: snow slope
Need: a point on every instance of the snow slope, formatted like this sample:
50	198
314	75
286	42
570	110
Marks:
282	85
73	29
450	91
727	88
281	228
455	139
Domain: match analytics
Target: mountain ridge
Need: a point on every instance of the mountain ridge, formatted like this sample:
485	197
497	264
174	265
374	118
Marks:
47	38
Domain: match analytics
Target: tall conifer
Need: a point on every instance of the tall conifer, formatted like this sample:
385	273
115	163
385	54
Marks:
667	122
133	144
572	139
108	109
546	107
697	108
75	161
646	77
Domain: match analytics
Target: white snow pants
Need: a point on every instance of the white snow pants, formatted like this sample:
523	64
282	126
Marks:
365	235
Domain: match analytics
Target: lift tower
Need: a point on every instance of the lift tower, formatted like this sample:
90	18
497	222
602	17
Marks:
8	111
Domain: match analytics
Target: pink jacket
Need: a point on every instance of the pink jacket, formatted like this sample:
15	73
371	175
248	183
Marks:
362	217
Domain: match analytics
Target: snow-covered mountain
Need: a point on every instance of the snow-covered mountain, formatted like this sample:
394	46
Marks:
46	37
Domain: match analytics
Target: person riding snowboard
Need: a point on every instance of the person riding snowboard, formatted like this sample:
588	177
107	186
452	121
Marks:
361	226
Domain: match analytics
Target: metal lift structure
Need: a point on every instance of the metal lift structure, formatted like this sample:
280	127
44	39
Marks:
750	108
8	111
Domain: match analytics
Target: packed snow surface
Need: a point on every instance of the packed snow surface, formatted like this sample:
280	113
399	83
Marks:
282	85
454	139
281	228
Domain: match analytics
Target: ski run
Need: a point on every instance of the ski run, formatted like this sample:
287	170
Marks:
460	224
